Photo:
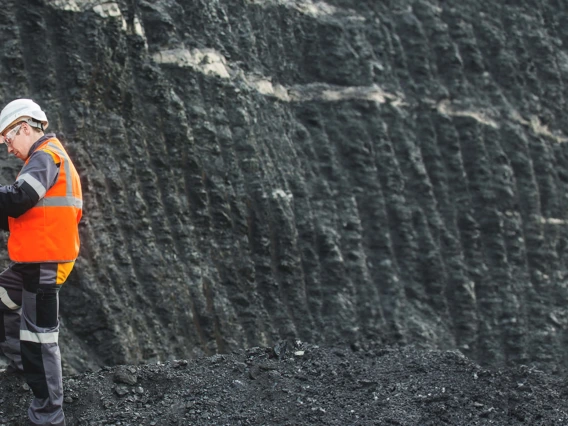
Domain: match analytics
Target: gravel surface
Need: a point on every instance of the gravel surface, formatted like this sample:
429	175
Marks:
303	384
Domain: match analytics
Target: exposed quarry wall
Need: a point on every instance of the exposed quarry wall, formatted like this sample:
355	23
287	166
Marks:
340	171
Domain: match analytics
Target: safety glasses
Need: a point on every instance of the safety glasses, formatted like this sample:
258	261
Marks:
10	136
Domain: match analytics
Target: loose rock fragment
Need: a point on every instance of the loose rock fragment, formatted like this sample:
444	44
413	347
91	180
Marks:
125	376
121	390
254	372
279	350
176	363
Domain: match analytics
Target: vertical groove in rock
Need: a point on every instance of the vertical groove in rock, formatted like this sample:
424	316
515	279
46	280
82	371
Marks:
283	229
232	283
512	291
489	223
461	288
416	51
355	153
435	220
171	182
253	163
423	207
338	304
306	218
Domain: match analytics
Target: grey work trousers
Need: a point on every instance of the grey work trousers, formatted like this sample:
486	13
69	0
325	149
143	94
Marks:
29	330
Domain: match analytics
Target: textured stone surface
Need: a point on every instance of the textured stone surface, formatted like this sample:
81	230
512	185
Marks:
330	171
362	385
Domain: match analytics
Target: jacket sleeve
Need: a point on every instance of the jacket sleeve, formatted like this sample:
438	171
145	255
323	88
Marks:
4	221
36	177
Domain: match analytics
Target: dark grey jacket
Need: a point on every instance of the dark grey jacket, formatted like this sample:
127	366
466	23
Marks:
36	177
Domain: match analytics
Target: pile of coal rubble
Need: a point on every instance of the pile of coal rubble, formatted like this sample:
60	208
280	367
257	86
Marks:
303	384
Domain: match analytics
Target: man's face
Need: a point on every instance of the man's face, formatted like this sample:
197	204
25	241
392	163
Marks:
15	140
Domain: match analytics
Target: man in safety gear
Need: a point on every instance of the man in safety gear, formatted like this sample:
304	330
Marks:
41	209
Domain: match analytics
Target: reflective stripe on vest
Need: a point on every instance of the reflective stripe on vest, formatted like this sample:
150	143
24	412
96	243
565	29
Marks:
48	232
60	202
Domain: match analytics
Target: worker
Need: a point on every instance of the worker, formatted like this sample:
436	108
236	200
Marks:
41	209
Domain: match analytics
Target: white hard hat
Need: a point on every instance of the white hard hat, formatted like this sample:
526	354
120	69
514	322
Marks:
22	108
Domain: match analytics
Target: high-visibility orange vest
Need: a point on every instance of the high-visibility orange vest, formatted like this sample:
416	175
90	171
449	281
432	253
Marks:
48	232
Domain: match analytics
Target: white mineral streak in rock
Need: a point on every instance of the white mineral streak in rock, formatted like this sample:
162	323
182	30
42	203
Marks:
538	128
138	28
71	5
101	8
542	129
329	93
110	10
209	61
314	9
206	61
281	93
280	193
445	107
552	221
264	86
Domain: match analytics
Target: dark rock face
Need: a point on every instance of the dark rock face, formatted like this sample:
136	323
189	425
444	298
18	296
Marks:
258	170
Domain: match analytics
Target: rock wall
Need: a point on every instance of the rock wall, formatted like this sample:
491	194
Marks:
326	171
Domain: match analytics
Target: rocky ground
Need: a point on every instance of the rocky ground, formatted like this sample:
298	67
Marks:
303	384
